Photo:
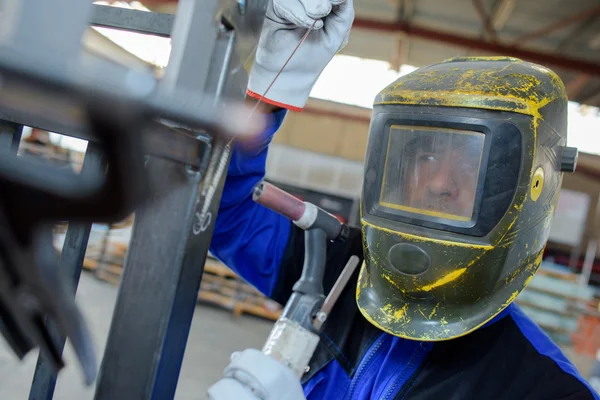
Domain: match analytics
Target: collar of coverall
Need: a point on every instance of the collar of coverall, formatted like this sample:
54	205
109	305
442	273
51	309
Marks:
503	313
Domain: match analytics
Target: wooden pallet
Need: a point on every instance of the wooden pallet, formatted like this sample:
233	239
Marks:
223	287
550	300
220	286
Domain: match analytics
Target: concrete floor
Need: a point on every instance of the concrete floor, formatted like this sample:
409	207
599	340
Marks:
215	334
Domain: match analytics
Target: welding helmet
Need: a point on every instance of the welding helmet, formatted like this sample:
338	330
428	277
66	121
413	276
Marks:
462	173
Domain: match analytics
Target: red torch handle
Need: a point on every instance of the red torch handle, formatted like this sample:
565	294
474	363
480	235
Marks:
279	201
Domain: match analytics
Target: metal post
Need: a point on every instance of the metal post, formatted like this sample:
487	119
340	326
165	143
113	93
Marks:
192	40
10	136
588	262
101	257
71	262
169	244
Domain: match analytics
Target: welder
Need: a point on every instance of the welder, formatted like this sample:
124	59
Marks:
462	173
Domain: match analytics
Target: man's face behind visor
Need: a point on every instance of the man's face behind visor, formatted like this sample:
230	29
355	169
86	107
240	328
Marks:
432	171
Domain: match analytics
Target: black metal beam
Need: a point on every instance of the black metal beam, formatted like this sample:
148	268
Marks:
10	136
162	273
151	23
150	282
71	263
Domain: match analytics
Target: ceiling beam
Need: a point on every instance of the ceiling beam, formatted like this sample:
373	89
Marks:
503	9
406	10
577	32
486	21
401	51
547	59
563	23
494	22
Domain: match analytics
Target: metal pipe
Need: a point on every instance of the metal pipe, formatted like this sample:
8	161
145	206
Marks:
132	20
588	263
548	59
556	26
71	264
485	20
10	136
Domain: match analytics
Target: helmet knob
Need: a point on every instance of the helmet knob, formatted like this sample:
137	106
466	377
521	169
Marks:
568	159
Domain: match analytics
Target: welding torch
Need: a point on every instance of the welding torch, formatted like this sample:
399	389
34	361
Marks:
286	354
303	214
295	335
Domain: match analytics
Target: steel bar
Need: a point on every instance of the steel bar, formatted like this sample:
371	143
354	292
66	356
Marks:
193	29
158	139
547	59
25	94
102	256
502	12
71	263
10	136
486	21
168	248
563	23
152	23
152	278
30	86
588	263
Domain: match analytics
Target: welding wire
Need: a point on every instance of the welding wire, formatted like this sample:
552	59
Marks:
250	56
284	65
212	188
335	292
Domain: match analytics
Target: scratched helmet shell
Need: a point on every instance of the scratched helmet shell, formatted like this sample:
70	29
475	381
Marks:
462	173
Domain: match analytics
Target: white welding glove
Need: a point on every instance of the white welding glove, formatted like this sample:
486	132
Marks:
253	375
286	23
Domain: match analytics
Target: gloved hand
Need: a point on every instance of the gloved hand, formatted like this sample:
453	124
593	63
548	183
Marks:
252	375
286	22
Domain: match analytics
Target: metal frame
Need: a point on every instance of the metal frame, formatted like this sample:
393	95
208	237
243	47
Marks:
71	262
150	23
178	254
10	136
169	244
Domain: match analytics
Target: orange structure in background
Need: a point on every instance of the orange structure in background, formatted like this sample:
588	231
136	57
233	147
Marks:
586	338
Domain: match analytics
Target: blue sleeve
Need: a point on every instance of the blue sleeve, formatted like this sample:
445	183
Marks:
249	238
